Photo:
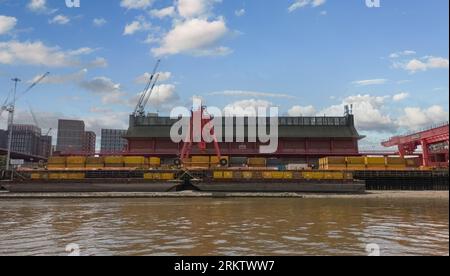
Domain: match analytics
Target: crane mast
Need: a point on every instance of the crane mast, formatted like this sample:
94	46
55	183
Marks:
11	106
145	95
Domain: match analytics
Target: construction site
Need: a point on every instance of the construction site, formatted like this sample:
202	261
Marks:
314	154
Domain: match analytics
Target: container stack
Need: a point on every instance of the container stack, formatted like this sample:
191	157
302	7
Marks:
214	161
257	162
200	161
154	162
333	163
395	163
356	163
137	162
376	163
95	163
56	162
114	162
76	162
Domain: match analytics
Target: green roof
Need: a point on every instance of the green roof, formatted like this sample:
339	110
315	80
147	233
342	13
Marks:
160	128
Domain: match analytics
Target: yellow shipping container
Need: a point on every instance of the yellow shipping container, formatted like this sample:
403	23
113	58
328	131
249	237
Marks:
334	175
356	160
277	175
167	176
375	161
54	176
412	162
247	175
113	160
257	162
57	160
314	175
56	166
332	161
228	175
215	160
334	167
200	159
148	175
76	160
395	161
134	160
267	175
288	175
35	176
154	161
95	160
218	175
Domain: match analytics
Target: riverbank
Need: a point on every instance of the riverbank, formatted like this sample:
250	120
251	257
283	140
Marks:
189	194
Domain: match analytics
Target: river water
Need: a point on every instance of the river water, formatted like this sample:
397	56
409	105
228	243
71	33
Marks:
188	226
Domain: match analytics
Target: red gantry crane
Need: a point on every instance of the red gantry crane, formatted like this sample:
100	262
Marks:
434	142
200	115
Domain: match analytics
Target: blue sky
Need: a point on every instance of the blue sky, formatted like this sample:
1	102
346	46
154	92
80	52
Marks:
309	57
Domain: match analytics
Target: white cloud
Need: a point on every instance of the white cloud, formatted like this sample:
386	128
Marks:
136	4
246	107
240	12
299	111
60	79
192	36
421	64
416	65
37	5
164	95
194	8
98	62
138	25
368	111
100	85
402	53
99	22
37	53
110	92
370	82
305	3
400	96
60	19
240	93
165	12
163	76
7	23
81	51
415	117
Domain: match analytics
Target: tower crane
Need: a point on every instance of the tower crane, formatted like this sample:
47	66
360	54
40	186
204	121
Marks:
10	107
145	95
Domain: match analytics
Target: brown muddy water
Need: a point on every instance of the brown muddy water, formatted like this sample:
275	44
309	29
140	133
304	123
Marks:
242	226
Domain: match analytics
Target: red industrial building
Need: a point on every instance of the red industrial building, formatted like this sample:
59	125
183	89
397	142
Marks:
301	139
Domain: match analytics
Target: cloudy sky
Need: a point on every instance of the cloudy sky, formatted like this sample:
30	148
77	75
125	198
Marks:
309	57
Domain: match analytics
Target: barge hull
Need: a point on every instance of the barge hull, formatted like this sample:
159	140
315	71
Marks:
282	187
89	187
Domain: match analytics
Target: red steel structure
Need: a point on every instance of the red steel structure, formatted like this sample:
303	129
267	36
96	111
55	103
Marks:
434	142
204	118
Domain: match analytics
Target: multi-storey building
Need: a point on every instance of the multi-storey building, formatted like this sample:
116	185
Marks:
112	140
